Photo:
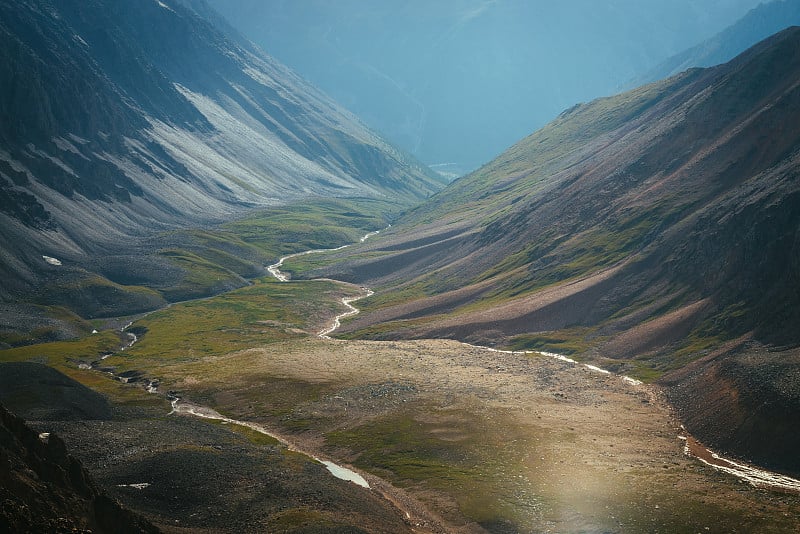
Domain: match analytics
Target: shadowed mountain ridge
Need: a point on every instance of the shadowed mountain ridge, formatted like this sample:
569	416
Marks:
121	120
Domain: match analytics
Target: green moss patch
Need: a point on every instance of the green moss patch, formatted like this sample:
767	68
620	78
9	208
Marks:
321	223
256	315
202	277
566	342
90	295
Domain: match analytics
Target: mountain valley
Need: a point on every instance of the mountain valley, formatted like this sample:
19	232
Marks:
115	140
644	232
457	81
223	295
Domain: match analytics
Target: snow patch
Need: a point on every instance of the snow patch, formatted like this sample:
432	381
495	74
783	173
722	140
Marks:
632	381
165	6
558	357
343	473
51	260
66	146
138	485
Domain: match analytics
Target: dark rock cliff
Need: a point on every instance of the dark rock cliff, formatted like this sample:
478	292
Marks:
44	489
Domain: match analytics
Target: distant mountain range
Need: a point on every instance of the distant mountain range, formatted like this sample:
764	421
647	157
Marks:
758	24
644	231
121	119
458	81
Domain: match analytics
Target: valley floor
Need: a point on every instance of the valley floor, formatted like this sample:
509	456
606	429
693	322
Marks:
492	441
463	439
451	438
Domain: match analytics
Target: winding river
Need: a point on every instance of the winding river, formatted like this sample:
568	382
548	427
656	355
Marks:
751	474
343	473
692	448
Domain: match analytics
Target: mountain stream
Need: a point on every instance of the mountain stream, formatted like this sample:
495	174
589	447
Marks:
693	448
756	477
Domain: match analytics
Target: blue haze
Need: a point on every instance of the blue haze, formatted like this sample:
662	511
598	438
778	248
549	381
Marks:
458	81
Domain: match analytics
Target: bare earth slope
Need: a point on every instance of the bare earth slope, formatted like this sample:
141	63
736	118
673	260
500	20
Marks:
642	230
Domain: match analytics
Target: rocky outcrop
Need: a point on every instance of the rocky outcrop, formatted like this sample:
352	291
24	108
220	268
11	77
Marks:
44	489
744	401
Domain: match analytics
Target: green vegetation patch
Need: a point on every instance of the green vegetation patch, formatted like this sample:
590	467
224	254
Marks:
404	447
55	354
265	312
568	342
320	223
305	264
90	295
202	277
454	451
388	330
65	356
644	372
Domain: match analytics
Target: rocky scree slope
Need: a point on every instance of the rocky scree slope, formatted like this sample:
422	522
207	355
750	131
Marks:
645	231
119	119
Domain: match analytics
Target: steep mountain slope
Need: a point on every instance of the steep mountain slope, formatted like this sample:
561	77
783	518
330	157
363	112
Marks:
758	24
457	81
122	119
642	231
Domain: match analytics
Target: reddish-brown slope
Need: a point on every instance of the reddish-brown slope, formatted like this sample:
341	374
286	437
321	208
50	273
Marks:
687	188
